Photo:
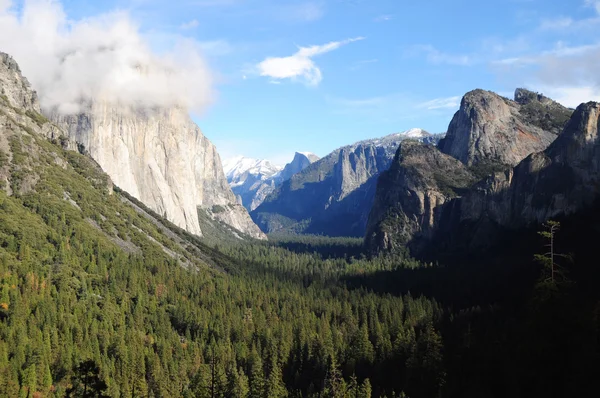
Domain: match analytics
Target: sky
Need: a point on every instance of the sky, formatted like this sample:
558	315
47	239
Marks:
266	78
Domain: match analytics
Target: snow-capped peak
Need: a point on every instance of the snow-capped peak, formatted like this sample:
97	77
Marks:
236	167
414	133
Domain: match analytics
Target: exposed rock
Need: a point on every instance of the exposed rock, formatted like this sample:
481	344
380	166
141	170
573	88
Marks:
301	161
490	129
560	180
160	157
14	87
334	195
410	194
252	180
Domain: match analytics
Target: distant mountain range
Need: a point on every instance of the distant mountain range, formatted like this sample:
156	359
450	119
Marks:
252	180
333	196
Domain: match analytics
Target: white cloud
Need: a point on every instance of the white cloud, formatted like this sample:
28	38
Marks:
594	4
189	25
556	23
569	74
299	65
102	57
572	96
436	56
441	103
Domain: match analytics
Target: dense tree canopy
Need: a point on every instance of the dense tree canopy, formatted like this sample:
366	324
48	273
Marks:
98	299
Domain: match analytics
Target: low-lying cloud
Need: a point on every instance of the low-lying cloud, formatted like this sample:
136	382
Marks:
103	58
300	65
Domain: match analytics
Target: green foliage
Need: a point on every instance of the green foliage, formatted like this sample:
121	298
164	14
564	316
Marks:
218	209
87	381
549	118
485	169
3	158
177	316
38	118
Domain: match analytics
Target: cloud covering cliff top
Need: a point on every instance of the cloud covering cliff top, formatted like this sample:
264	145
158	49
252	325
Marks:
104	57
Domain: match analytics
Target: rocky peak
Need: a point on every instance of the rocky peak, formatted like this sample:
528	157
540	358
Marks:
524	97
580	135
491	129
301	161
15	87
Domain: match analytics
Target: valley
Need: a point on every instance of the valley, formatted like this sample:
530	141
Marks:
138	261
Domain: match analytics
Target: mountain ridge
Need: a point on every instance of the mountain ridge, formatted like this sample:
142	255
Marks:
332	196
541	185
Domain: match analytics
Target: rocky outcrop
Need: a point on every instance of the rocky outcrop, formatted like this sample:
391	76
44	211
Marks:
562	179
411	193
334	195
301	161
490	129
161	158
15	88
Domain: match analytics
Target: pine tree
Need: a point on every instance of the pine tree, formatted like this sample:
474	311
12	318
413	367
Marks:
275	387
554	274
257	376
335	386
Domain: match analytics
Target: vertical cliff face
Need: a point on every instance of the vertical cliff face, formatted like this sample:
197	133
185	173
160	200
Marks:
490	129
412	208
562	179
160	157
410	195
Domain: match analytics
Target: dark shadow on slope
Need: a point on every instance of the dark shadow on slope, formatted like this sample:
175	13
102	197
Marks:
504	272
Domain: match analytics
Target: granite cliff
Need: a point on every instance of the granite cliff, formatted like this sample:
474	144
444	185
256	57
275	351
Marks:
490	129
469	210
157	155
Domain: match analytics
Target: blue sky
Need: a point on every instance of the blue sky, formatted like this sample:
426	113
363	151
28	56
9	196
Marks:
296	75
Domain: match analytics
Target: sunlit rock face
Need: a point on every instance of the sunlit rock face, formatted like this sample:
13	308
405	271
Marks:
160	156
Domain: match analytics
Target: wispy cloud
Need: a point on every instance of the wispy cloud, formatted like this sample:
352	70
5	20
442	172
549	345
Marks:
383	18
567	73
189	25
564	23
435	56
571	96
299	66
301	12
594	4
556	23
359	64
441	103
560	50
397	106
